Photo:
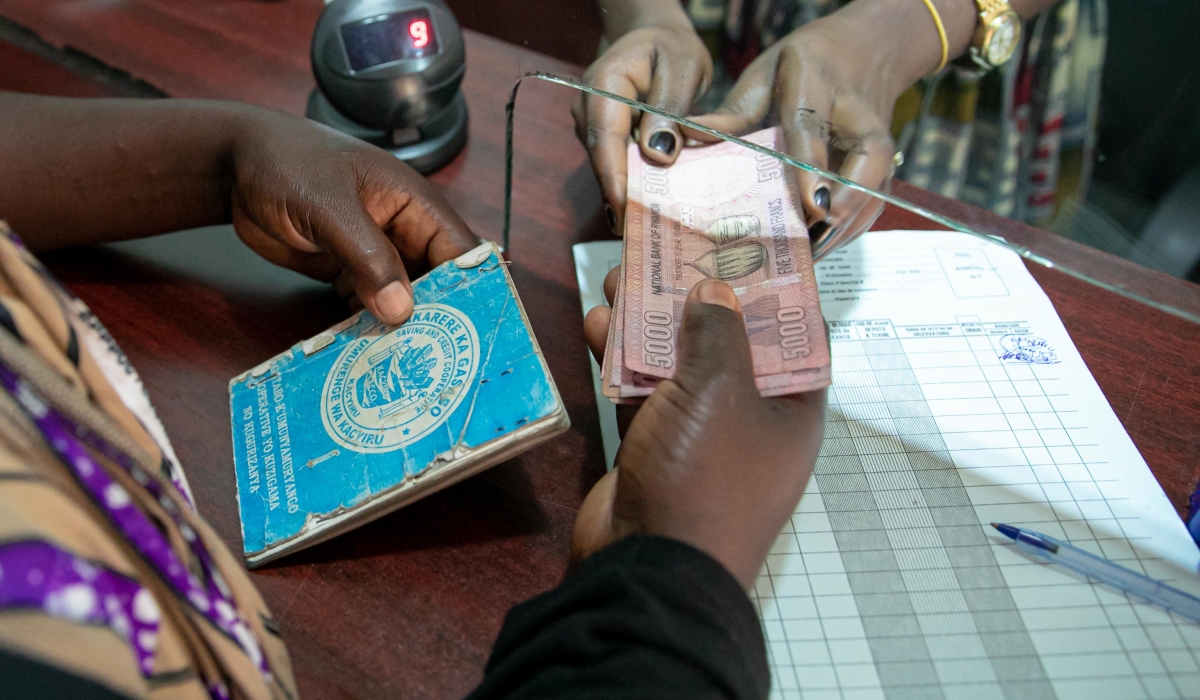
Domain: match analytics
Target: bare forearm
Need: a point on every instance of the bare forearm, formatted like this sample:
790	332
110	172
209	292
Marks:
86	171
960	17
908	27
1029	8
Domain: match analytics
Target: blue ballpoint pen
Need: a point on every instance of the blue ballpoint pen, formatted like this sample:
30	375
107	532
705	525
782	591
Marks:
1104	570
1193	518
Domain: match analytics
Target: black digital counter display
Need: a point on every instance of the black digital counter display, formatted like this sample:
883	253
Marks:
386	38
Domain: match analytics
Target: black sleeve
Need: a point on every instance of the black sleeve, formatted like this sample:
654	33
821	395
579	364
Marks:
27	679
647	617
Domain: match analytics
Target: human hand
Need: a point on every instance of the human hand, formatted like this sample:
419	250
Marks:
832	83
665	65
706	459
322	203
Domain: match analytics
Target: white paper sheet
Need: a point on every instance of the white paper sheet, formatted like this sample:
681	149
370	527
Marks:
592	263
958	399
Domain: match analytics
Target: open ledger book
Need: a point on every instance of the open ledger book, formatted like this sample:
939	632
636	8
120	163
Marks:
958	399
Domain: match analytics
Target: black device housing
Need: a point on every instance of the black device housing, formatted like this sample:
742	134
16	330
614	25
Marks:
409	106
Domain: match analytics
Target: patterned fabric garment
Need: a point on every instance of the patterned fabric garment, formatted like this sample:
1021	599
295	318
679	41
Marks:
106	570
1018	141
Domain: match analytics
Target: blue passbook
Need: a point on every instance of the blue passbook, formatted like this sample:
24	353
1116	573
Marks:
365	418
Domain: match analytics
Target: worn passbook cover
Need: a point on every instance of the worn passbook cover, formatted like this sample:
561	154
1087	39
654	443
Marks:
364	418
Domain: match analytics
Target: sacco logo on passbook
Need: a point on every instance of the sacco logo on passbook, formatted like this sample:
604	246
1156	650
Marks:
391	390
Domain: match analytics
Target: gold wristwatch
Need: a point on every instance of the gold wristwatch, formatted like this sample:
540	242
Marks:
997	35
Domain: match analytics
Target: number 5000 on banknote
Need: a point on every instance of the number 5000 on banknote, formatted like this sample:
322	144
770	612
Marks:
724	212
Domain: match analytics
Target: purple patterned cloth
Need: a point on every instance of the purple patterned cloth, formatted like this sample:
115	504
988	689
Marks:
38	575
211	597
76	310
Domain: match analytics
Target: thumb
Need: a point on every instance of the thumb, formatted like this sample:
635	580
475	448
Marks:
712	341
370	261
594	523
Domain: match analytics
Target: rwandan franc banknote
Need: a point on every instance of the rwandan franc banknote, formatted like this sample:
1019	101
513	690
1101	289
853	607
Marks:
727	212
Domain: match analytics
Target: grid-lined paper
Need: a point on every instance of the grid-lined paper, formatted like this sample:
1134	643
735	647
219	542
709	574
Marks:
888	583
958	399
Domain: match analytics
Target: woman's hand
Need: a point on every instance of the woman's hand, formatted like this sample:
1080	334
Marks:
705	459
832	84
660	61
833	95
316	201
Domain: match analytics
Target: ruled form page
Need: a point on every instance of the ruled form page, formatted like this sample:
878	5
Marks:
958	399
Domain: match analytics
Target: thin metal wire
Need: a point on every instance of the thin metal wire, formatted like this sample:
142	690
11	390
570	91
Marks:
949	223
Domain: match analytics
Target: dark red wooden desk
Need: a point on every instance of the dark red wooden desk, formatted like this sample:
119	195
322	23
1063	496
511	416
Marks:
408	606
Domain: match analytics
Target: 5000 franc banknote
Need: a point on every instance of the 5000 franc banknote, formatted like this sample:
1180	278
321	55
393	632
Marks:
724	212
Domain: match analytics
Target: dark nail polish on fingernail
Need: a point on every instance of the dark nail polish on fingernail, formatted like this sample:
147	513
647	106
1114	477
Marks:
663	142
822	244
821	197
612	216
816	234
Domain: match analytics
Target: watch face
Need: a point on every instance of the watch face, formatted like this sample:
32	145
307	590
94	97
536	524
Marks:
1005	37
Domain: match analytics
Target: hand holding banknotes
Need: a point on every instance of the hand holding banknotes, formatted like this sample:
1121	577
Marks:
656	57
705	459
720	212
831	85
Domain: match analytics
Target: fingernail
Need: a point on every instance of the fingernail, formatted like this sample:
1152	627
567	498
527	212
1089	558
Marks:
719	293
816	234
393	302
663	142
821	197
612	217
822	244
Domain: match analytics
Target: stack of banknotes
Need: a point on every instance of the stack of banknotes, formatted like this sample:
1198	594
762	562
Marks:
727	212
